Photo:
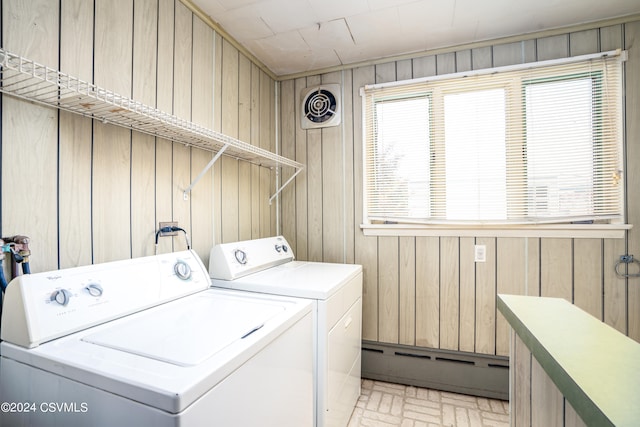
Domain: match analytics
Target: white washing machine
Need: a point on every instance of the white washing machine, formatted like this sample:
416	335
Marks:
147	342
267	266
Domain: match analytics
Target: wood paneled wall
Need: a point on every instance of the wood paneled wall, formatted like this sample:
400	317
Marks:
428	291
88	192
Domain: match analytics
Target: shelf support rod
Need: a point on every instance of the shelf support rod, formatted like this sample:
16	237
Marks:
298	170
186	192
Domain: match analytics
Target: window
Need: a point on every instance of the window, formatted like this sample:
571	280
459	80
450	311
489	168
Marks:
519	145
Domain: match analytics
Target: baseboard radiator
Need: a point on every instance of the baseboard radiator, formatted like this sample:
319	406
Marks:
458	372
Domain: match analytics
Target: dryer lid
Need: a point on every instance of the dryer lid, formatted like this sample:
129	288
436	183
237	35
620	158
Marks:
303	279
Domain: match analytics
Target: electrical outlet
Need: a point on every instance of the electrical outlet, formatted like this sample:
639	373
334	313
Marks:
480	253
168	224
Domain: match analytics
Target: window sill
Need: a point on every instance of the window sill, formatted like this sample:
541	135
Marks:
584	231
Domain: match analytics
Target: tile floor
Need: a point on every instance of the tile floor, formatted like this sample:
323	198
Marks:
384	405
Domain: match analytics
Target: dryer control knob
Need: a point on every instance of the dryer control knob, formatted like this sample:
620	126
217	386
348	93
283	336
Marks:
241	256
182	269
94	289
61	296
282	248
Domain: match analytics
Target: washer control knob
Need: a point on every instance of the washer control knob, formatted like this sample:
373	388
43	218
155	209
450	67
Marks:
278	248
61	296
94	289
241	256
182	269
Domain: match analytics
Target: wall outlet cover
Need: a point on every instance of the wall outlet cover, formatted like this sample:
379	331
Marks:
480	253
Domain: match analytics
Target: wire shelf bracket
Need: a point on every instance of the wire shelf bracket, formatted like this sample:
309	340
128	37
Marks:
185	194
28	80
291	178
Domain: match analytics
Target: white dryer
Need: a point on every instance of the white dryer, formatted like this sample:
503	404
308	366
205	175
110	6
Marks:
267	266
147	342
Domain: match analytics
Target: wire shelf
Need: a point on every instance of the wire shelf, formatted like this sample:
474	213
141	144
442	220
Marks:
31	81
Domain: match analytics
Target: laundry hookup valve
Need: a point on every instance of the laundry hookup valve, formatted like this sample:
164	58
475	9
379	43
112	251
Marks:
18	247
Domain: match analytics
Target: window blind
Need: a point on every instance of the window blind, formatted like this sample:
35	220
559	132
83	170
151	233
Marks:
527	144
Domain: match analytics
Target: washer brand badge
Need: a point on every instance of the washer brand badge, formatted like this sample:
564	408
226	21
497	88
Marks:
54	277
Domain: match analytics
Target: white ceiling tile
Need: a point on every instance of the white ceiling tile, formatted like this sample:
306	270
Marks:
387	32
235	4
245	25
374	27
328	35
287	15
211	8
299	56
292	36
322	58
425	27
329	10
385	4
364	53
425	14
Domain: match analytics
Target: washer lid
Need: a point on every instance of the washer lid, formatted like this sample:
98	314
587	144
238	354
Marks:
156	383
187	332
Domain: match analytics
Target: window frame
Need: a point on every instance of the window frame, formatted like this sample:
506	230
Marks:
613	229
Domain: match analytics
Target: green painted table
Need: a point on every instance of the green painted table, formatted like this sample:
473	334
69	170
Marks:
596	368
